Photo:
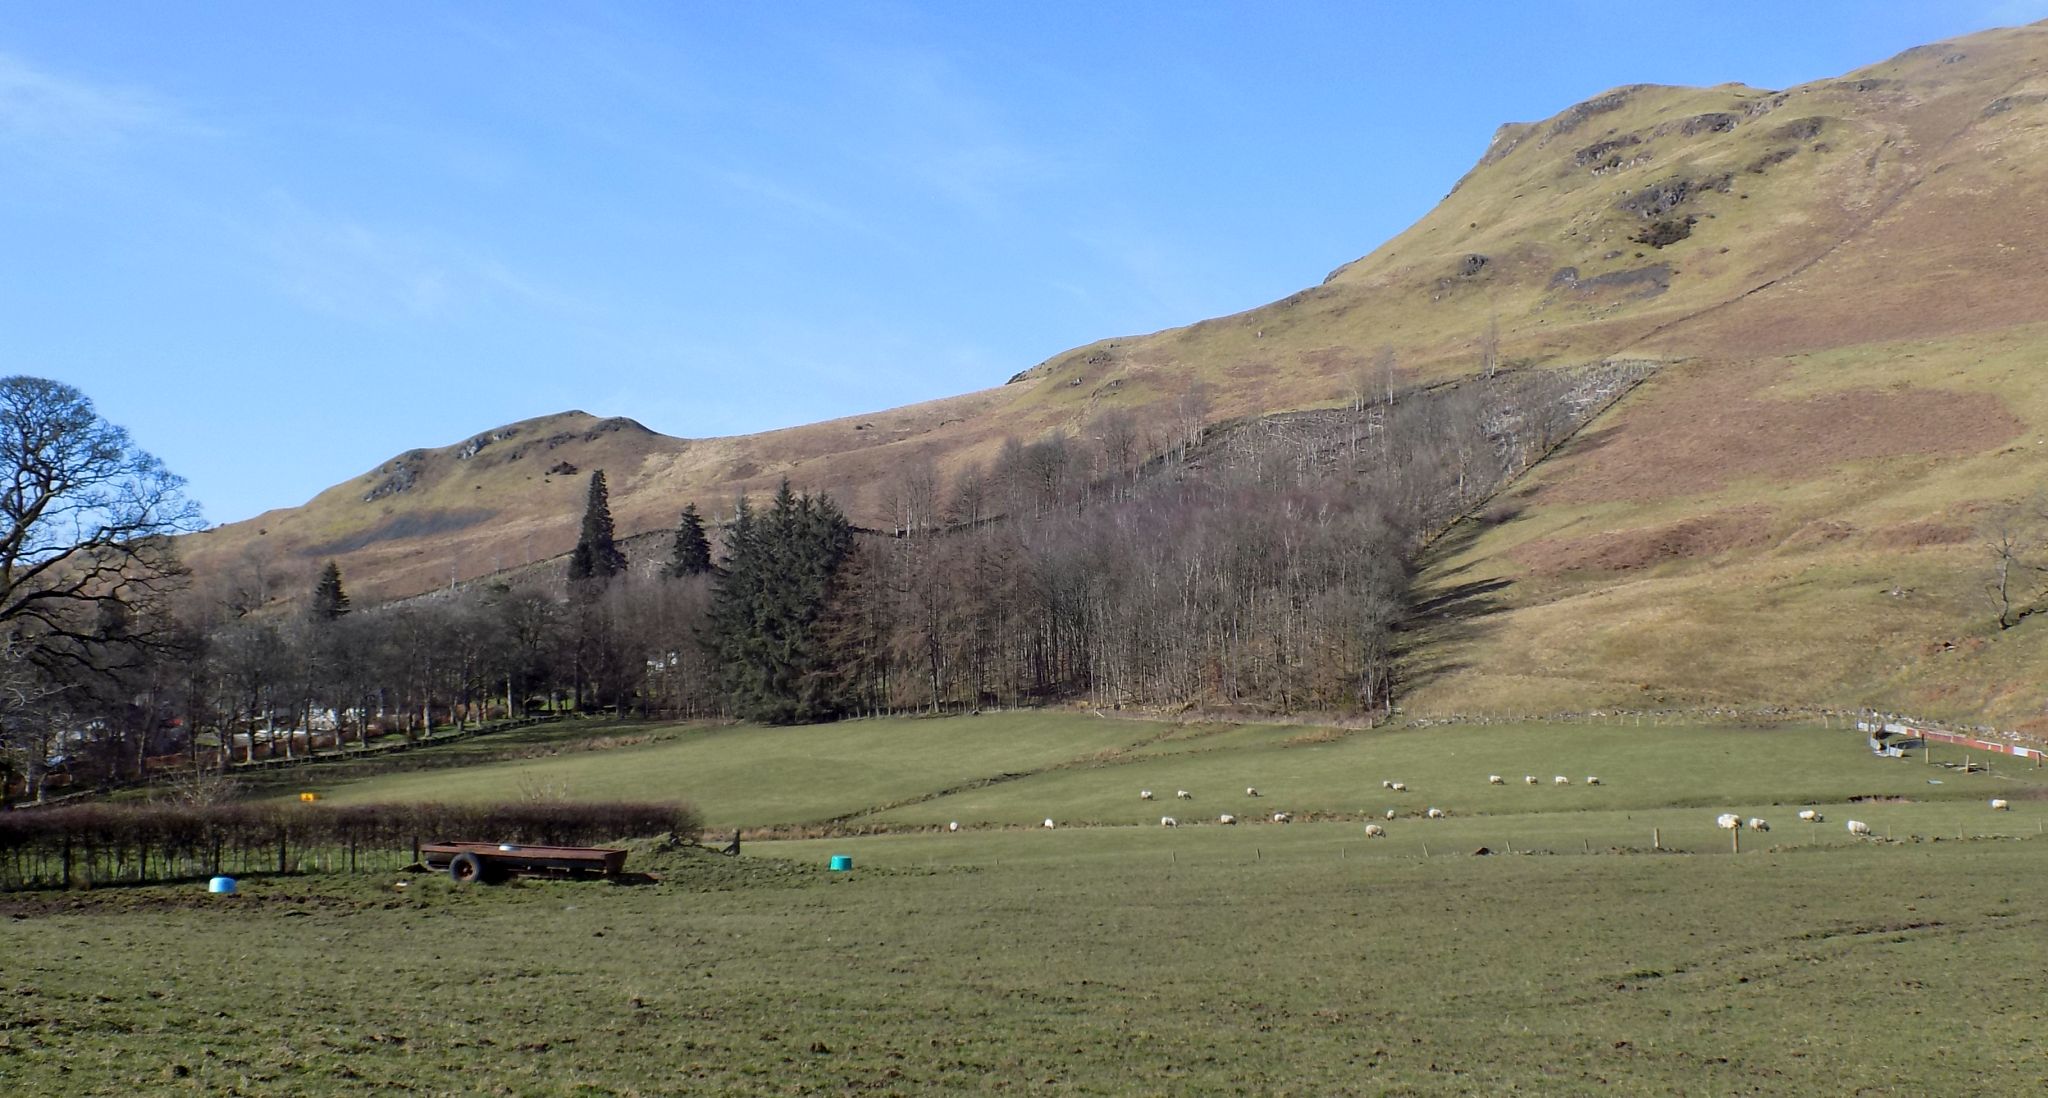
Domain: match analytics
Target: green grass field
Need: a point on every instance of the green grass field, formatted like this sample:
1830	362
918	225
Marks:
1115	958
749	776
1016	769
1881	969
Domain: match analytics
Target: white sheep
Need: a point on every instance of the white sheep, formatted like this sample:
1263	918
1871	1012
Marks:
1168	821
1184	795
1757	824
1283	817
1399	787
1048	821
1591	780
1226	818
1495	779
1390	813
1375	831
1560	780
1528	779
2000	804
1727	821
1144	794
1435	813
1858	827
954	826
1808	815
1251	791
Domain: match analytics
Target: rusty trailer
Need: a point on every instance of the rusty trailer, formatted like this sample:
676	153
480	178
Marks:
490	863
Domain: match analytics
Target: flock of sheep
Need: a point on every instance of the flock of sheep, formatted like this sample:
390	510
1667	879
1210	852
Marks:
1374	830
1727	821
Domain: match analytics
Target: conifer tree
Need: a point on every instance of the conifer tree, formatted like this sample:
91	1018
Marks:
329	600
733	639
597	556
767	633
692	554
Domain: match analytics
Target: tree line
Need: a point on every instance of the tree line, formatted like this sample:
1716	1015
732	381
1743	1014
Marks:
1261	565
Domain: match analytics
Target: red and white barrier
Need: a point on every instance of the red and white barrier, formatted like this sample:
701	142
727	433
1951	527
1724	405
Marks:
1997	747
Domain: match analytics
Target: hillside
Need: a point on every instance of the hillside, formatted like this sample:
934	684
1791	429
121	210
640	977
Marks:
1841	278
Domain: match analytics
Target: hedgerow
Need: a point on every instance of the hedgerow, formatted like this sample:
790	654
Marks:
106	843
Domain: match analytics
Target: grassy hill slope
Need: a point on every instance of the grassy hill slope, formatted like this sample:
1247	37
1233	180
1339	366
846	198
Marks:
1842	279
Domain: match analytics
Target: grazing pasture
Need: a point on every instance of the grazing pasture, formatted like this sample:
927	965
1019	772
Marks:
1112	955
1019	768
753	776
1093	964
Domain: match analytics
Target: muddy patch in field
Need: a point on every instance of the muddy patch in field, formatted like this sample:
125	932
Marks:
1632	550
1697	431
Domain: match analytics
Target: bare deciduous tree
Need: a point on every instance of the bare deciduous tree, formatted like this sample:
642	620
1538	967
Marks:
86	518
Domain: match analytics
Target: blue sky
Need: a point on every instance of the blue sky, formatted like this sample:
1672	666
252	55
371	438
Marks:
284	242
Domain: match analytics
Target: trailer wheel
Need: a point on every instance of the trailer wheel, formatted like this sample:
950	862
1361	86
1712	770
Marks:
467	868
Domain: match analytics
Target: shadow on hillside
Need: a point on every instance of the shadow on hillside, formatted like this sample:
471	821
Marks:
1444	612
1588	441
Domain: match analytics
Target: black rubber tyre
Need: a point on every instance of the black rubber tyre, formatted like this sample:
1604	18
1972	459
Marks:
467	868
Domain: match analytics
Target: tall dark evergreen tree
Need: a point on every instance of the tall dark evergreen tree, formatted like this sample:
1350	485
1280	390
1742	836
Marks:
737	645
692	554
330	601
597	555
767	631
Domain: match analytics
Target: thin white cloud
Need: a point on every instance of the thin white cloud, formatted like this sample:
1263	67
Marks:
804	203
347	268
41	108
937	132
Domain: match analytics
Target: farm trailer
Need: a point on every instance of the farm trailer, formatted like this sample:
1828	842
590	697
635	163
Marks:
490	863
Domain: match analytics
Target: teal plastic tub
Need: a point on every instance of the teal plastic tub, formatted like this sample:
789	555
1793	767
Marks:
842	862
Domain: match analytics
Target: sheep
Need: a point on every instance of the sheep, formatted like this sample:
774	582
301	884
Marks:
1591	780
954	826
1283	817
1399	787
1390	813
1808	815
1727	821
1495	779
1168	821
1435	813
2000	804
1560	780
1858	827
1184	795
1226	818
1251	791
1375	831
1757	824
1144	794
1048	821
1528	779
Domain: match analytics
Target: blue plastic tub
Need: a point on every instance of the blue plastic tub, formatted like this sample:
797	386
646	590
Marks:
842	862
224	886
